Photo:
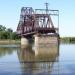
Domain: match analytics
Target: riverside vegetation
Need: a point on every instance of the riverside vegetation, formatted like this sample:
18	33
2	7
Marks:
7	35
67	39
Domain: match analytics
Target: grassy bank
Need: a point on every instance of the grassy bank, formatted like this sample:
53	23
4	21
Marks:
67	39
9	42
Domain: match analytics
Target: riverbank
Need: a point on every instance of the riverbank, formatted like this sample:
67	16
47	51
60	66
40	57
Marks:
62	40
67	39
5	42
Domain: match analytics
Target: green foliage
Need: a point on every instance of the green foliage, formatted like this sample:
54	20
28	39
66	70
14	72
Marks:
2	28
7	33
4	35
67	39
9	30
15	36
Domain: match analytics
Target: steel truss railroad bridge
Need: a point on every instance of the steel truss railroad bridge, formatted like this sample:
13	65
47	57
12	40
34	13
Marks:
37	21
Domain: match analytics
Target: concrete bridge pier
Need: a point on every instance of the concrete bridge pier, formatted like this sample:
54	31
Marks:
49	41
46	45
46	39
24	42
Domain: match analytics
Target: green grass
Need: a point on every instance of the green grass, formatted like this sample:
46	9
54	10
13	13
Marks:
9	41
67	39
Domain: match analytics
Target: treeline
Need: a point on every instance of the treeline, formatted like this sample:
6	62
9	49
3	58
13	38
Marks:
7	33
67	39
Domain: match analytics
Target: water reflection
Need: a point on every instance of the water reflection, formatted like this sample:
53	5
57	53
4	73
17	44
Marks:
38	60
48	52
26	54
6	51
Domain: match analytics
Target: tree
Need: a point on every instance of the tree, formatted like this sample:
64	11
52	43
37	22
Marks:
7	33
10	30
2	28
15	36
4	35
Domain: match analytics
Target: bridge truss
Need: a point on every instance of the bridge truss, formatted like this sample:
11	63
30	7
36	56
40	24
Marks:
37	21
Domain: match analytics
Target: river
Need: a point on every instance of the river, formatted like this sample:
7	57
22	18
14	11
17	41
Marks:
43	60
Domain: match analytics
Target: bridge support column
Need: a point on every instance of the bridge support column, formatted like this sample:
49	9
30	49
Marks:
24	41
42	41
46	39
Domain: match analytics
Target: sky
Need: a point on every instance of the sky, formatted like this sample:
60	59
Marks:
10	13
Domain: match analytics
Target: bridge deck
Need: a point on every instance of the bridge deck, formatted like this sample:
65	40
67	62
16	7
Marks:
37	30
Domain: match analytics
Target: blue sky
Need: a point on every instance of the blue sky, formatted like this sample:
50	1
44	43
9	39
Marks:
10	13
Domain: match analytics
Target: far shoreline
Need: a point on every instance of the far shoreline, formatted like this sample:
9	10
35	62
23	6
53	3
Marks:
18	41
9	41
